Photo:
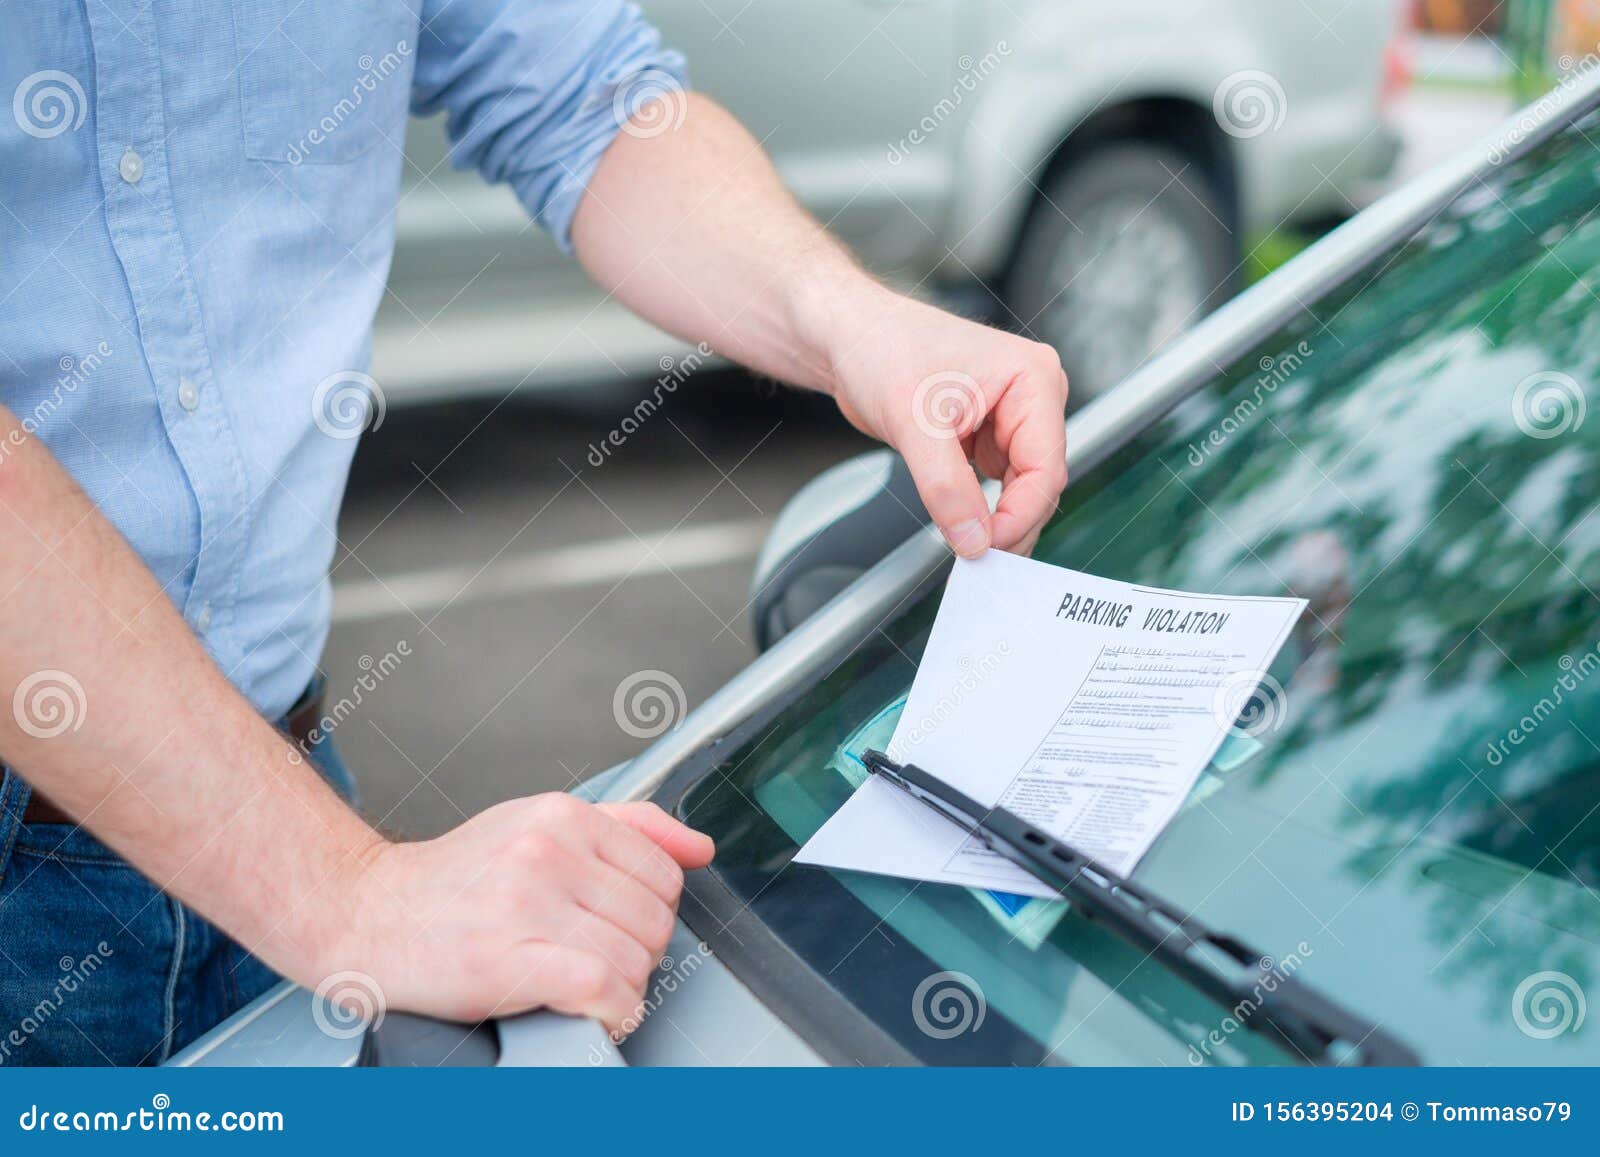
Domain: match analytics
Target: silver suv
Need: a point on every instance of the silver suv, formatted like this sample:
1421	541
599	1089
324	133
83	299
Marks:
1082	171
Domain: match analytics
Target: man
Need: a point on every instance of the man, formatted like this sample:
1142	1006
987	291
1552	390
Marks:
198	218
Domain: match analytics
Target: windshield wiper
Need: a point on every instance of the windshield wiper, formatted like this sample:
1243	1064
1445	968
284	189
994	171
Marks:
1260	997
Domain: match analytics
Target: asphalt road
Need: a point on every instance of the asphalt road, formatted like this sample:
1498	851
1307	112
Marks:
495	586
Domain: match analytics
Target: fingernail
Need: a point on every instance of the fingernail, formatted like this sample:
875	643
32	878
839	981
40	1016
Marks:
969	539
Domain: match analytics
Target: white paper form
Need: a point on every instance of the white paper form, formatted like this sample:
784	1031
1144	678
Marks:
1085	705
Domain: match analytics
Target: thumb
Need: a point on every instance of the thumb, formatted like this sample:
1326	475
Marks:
690	848
949	489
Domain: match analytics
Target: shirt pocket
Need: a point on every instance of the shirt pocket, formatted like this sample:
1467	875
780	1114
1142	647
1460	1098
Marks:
322	84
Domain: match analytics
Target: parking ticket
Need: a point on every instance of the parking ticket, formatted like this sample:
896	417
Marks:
1088	706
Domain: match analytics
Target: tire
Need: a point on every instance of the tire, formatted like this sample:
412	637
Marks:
1125	248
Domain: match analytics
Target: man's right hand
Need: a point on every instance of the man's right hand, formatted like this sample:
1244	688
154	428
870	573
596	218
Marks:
539	902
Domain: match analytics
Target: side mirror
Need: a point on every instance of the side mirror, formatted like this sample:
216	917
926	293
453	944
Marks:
829	534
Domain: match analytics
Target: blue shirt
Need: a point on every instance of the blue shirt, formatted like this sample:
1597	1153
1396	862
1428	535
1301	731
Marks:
196	220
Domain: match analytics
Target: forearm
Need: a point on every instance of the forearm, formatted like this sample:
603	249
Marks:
542	901
158	755
693	230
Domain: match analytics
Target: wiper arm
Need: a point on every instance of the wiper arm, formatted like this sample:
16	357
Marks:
1294	1014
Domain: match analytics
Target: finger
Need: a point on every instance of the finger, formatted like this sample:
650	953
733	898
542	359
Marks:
1026	546
1036	453
628	906
691	849
626	951
1027	502
949	489
624	849
1031	539
990	458
575	981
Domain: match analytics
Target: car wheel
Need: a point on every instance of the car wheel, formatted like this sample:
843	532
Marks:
1124	249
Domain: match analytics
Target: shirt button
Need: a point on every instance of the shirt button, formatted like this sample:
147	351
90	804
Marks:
188	395
203	619
131	166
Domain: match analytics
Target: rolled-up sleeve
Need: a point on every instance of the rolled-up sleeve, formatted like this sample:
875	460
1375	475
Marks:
535	90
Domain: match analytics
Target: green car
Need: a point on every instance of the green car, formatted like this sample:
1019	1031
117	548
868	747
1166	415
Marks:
1393	426
1395	430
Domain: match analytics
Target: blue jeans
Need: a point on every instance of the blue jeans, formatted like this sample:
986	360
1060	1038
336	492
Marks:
98	966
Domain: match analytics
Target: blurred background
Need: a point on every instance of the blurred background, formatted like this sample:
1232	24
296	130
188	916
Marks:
559	504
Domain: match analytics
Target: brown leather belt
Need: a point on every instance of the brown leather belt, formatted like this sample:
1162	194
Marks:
302	719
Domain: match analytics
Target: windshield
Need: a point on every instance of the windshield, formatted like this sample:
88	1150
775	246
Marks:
1414	826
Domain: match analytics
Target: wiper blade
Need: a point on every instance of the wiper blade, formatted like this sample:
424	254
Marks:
1281	1007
